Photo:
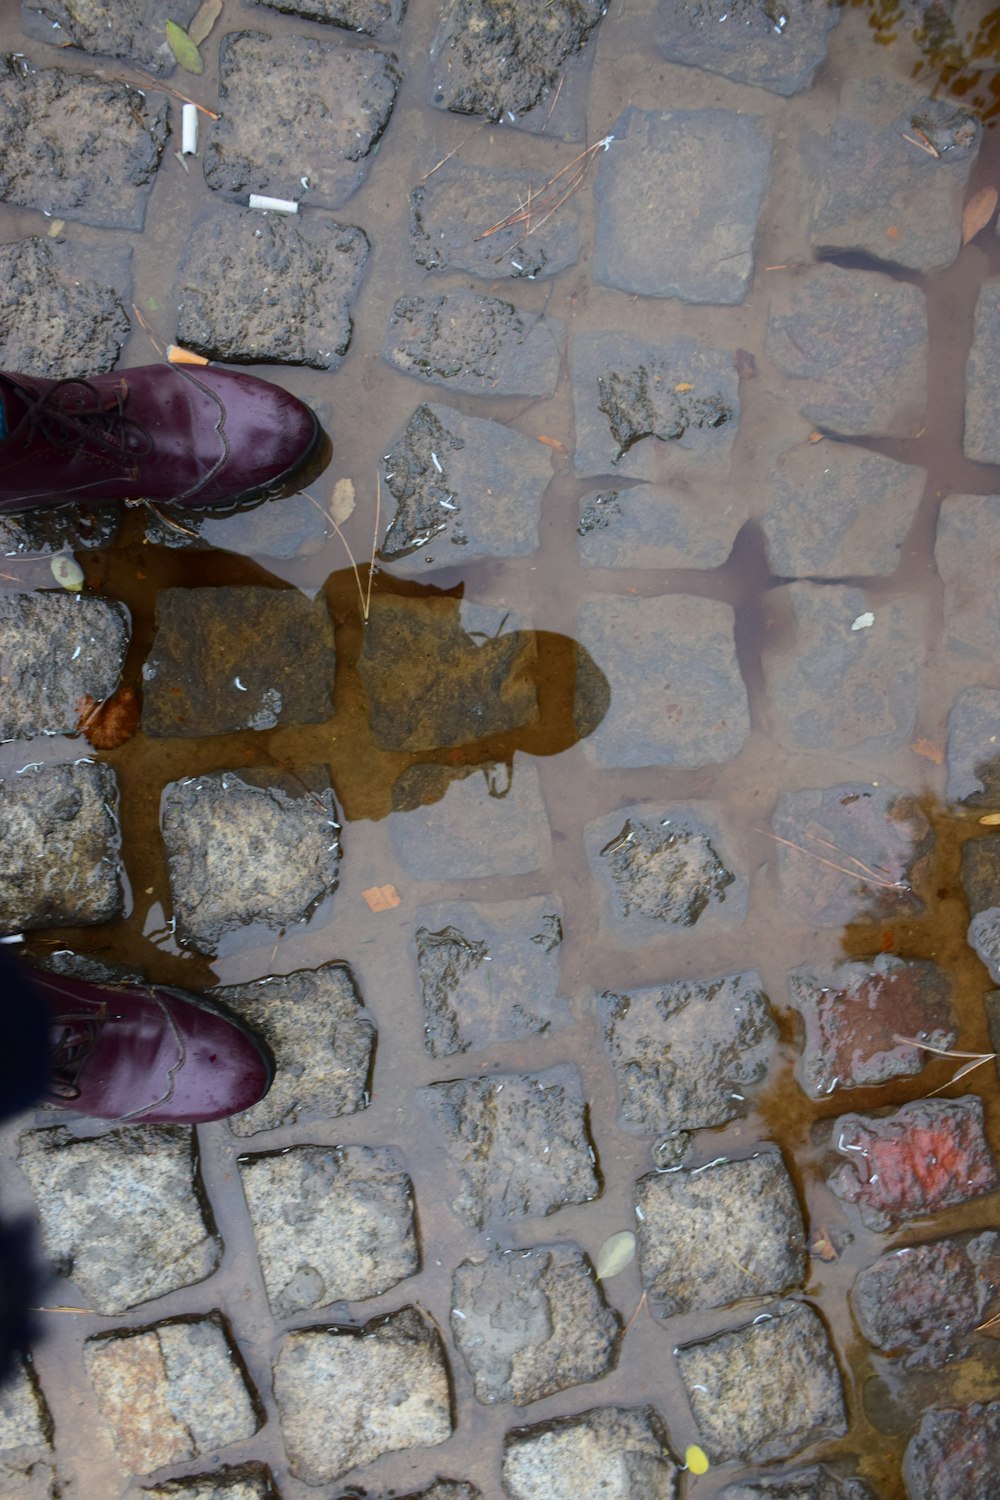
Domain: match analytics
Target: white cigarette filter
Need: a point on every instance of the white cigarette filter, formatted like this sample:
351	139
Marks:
189	130
278	205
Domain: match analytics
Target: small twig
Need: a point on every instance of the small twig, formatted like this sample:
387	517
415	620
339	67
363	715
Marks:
154	510
460	147
924	143
371	566
523	215
976	1060
642	1303
144	325
886	885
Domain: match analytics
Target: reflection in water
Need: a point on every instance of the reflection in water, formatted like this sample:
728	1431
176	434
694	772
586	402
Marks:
964	60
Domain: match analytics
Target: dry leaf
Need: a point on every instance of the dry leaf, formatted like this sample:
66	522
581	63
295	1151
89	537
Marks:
617	1252
746	365
990	819
816	437
552	443
179	356
928	750
685	385
342	501
978	212
108	723
381	897
821	1247
67	573
207	15
183	48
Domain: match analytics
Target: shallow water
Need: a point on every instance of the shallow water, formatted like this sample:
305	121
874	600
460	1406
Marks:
363	405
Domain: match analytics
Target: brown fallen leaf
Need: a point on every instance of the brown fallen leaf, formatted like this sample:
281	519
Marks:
978	212
205	18
381	897
929	751
109	722
552	443
816	437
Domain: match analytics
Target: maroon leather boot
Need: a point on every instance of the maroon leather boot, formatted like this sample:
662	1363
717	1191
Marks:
147	1054
166	433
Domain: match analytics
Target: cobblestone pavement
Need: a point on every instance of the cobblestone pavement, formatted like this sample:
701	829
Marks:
603	893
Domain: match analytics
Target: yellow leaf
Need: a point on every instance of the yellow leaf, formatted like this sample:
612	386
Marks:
342	501
696	1459
183	48
685	385
617	1252
381	897
990	819
67	572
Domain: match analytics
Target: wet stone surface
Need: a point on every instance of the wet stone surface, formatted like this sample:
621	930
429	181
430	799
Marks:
225	659
855	346
44	114
657	193
322	1039
445	1489
103	1204
850	682
248	1482
78	321
60	864
488	972
26	1460
973	748
967	525
297	107
113	28
531	1322
767	1389
469	673
981	880
476	41
332	1224
248	847
518	1141
354	15
170	1393
685	1054
741	40
445	514
858	852
982	379
913	1161
716	1234
347	1395
654	526
667	869
878	191
477	345
617	1452
818	1483
855	1013
486	820
651	411
838	511
452	219
306	271
54	650
923	1304
677	697
954	1454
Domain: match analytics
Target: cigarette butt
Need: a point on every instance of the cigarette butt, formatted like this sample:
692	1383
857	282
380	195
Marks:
278	205
189	130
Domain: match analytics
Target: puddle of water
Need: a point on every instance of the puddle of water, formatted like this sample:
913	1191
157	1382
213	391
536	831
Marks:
364	405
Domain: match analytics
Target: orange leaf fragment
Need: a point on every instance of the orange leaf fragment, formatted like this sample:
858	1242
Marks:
929	751
553	443
978	212
816	437
990	820
179	356
108	723
381	897
893	231
685	385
